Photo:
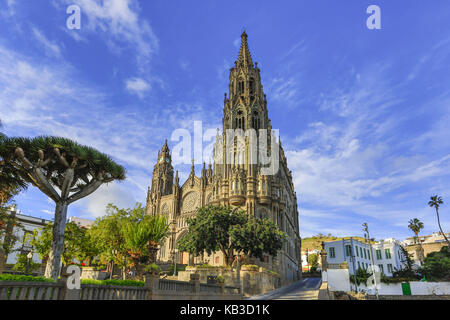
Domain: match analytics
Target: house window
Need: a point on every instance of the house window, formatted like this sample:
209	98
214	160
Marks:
359	265
365	253
266	259
381	268
348	250
390	269
217	260
387	253
356	249
379	255
332	253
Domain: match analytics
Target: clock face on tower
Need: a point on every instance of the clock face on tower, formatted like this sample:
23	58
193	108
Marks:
167	160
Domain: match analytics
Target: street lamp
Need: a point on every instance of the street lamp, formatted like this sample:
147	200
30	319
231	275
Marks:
29	257
175	262
366	229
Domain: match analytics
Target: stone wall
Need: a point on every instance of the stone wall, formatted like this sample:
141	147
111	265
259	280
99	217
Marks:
253	281
427	248
93	274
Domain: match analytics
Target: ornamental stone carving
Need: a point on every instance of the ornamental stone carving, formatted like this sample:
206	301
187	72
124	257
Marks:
191	202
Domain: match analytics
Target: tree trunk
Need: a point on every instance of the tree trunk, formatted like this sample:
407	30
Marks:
2	260
54	260
440	228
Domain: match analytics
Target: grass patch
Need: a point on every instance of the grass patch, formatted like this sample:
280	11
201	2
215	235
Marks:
128	283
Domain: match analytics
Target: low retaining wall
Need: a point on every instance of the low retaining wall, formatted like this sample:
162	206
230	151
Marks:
418	288
154	289
93	274
252	281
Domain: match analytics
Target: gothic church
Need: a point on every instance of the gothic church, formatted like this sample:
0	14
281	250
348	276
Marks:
239	183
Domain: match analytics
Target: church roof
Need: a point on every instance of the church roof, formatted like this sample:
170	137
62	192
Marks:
244	52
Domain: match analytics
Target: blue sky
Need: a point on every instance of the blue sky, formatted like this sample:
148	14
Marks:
363	114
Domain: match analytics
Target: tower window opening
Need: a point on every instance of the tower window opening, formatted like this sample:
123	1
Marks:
252	86
241	87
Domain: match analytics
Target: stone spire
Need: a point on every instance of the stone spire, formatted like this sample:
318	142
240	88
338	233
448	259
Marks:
245	57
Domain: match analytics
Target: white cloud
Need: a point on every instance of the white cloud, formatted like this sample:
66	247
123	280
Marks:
94	205
48	212
352	165
137	86
51	48
118	23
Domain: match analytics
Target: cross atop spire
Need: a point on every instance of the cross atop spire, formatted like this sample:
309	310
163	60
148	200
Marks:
244	52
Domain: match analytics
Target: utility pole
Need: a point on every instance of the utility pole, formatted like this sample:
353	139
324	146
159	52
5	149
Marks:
366	229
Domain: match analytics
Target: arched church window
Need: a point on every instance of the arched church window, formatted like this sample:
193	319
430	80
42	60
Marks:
252	86
256	121
240	120
241	86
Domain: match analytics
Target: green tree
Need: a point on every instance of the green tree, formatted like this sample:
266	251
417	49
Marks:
10	181
63	170
128	234
25	265
143	237
406	271
77	244
256	237
436	265
313	261
415	225
107	234
219	228
435	202
8	238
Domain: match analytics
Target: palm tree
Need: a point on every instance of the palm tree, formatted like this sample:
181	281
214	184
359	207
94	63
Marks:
63	170
435	202
144	235
415	225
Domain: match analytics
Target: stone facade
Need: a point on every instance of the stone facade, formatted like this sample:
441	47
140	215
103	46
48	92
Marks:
238	183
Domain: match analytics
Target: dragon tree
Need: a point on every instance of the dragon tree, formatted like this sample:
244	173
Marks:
63	170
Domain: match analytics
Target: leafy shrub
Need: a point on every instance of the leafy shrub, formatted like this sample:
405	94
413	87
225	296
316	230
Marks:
23	278
152	268
251	267
130	283
436	265
386	279
23	264
220	279
361	276
171	270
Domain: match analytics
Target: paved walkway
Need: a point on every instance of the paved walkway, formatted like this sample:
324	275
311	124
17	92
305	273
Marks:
306	289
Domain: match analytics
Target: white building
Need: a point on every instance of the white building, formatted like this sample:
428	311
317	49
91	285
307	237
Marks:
386	254
84	223
22	245
305	263
435	237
